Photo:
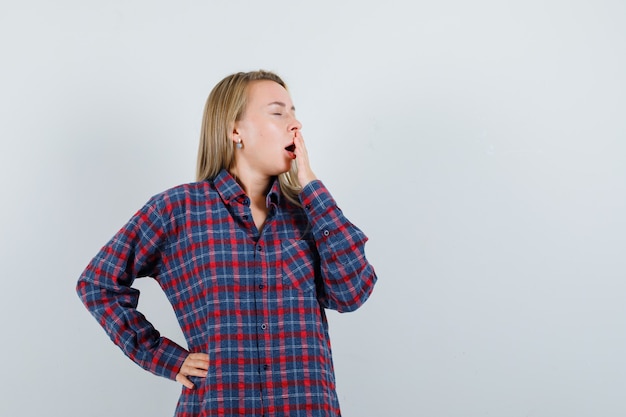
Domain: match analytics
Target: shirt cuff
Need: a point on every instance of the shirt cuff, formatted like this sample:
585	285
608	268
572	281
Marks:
316	199
169	359
321	209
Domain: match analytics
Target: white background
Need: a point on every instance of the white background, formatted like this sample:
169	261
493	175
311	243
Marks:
480	145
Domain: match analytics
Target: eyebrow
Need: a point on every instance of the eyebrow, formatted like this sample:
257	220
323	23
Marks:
280	103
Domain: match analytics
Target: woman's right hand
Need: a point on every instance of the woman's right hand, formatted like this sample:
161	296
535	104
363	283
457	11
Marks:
196	364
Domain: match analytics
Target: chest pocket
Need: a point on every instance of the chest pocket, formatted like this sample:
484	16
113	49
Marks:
299	262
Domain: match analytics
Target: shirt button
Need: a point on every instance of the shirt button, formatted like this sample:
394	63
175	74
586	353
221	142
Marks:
326	232
246	201
261	286
266	367
263	326
308	207
259	248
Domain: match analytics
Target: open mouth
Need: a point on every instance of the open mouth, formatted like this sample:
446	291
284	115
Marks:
291	147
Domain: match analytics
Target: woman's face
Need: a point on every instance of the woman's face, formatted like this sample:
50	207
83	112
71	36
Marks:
267	128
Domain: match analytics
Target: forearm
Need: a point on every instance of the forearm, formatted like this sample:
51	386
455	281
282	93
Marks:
347	276
114	307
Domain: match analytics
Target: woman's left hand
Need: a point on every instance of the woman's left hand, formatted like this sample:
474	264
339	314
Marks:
305	173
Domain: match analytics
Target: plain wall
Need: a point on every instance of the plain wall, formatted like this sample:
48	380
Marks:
480	145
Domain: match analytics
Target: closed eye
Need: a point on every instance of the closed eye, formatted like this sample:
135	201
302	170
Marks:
278	106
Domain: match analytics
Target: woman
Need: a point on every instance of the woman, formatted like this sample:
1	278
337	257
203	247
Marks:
249	257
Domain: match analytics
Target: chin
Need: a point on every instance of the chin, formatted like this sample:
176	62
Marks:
284	169
276	172
287	168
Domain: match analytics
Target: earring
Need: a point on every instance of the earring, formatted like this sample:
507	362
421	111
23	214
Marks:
239	144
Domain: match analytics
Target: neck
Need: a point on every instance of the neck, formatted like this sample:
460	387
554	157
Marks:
254	185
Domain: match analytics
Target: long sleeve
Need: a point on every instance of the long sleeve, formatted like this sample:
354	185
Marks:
105	289
347	276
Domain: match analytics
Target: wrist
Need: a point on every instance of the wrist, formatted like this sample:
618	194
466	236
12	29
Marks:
306	179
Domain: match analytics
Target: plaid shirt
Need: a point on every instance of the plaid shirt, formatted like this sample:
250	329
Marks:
254	302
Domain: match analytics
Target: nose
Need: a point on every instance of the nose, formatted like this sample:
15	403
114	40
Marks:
295	125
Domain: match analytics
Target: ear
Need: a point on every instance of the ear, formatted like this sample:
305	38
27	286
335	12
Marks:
234	132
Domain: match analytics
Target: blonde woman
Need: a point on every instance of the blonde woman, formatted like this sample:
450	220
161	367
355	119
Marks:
249	256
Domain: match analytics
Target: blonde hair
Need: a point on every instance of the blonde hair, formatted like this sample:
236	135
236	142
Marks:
225	105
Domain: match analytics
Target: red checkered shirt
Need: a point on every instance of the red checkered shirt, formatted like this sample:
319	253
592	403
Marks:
253	301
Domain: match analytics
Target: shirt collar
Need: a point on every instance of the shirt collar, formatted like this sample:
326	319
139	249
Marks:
274	196
230	190
227	187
